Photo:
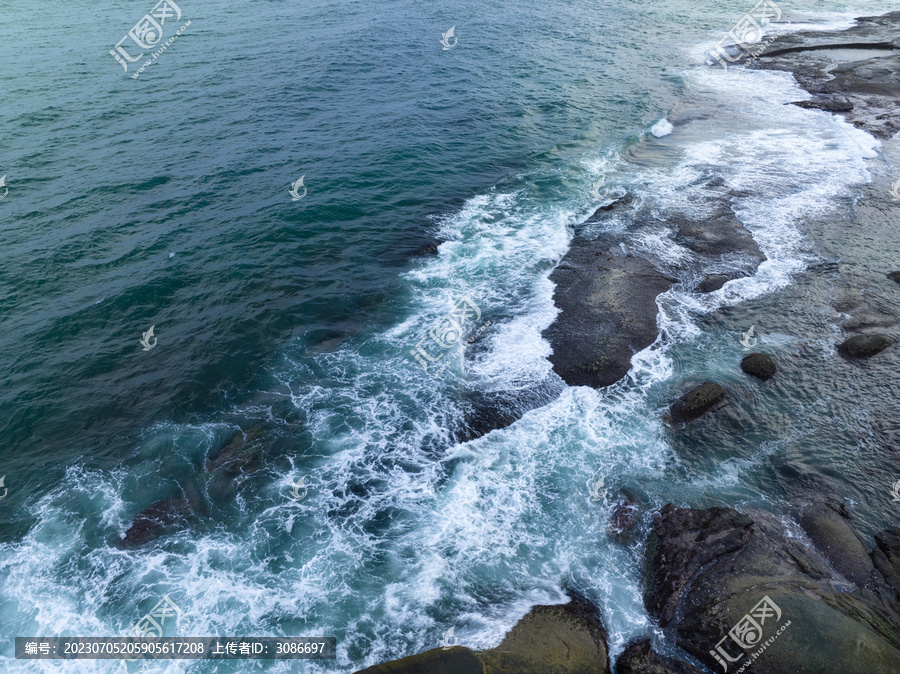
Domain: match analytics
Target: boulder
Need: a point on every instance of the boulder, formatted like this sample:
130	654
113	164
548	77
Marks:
894	276
864	346
697	402
454	660
712	283
709	572
639	658
557	639
759	365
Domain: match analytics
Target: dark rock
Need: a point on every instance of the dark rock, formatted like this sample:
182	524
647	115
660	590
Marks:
865	90
618	202
894	276
455	660
563	639
759	365
864	346
826	104
708	569
624	518
828	526
486	412
886	558
153	521
608	313
712	283
558	639
697	402
639	658
716	235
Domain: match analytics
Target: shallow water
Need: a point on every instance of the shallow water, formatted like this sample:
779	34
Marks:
164	201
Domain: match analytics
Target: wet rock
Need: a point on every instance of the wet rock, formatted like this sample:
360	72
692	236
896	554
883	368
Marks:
886	558
712	283
565	639
697	402
624	518
864	346
618	202
759	365
864	90
607	304
559	639
639	658
826	104
238	458
828	526
716	235
708	569
455	660
154	520
894	276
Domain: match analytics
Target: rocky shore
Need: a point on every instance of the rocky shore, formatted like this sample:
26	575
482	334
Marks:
795	589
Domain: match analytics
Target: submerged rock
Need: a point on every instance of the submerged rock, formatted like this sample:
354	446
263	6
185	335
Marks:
708	570
759	365
607	304
894	276
864	346
559	639
624	518
153	521
712	283
697	402
639	658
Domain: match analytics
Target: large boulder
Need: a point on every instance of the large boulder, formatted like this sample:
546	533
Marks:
453	660
864	346
759	365
607	304
558	639
733	588
697	402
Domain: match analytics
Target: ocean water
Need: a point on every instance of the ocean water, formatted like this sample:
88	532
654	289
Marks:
164	201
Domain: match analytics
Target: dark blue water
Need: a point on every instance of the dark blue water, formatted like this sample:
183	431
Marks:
164	201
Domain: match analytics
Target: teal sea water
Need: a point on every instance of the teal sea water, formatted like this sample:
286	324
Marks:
164	201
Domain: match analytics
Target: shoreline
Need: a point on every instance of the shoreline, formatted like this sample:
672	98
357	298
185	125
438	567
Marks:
709	570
